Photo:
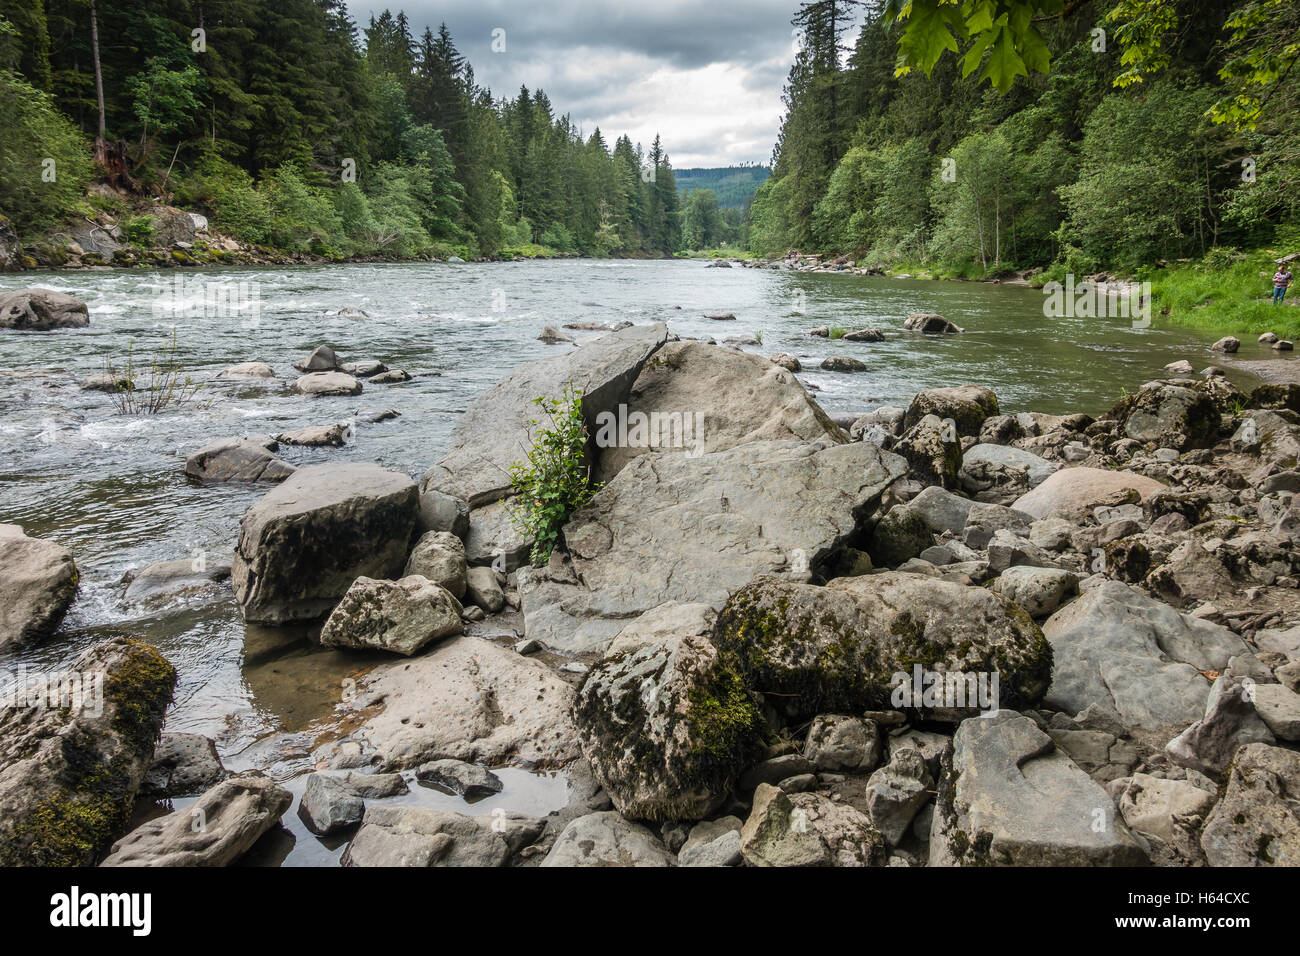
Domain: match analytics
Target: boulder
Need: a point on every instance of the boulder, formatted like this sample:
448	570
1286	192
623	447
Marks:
896	793
967	406
1135	655
241	460
1170	415
322	359
216	830
317	436
494	539
1036	469
607	839
398	616
41	310
1074	492
864	335
698	399
483	590
654	533
553	336
932	451
840	647
843	363
785	361
440	557
807	829
1257	823
1009	797
1228	344
451	702
495	432
942	510
1230	722
1168	811
839	742
246	370
712	843
328	805
901	534
1040	591
667	727
365	368
74	755
1279	707
327	383
439	512
167	580
301	546
183	765
38	582
465	779
930	323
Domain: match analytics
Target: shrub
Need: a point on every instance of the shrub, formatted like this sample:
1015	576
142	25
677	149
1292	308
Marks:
160	386
555	481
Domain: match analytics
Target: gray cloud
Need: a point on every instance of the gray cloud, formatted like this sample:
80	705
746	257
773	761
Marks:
707	78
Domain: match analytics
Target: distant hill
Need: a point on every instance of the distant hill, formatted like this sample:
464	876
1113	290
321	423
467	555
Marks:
734	185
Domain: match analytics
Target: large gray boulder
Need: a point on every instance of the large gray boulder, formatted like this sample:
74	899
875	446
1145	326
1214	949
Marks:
495	432
1118	647
1169	414
666	726
452	702
301	547
1074	492
656	532
41	310
398	616
699	399
38	581
216	830
967	406
70	768
607	839
238	460
1257	823
1009	797
838	648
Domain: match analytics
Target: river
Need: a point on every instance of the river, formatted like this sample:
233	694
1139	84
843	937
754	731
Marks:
111	488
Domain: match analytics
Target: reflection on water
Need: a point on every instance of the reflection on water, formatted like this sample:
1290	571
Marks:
111	489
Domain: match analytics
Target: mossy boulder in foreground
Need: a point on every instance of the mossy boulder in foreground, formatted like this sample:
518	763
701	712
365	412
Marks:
69	774
667	726
814	650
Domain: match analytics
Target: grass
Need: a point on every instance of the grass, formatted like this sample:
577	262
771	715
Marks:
1229	296
838	333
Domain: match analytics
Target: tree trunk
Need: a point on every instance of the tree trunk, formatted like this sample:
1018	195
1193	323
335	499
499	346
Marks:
101	145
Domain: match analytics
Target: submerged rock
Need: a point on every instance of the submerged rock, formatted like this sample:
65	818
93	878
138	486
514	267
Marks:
216	830
301	546
165	580
70	771
930	323
327	383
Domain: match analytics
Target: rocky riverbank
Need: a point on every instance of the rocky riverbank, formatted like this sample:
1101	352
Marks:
938	634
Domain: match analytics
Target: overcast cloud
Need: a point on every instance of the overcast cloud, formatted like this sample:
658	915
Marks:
705	76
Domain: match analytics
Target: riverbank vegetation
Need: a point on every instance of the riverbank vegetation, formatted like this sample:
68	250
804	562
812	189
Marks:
291	129
1120	135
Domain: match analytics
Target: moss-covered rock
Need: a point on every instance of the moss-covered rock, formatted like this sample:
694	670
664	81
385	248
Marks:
667	726
966	405
1276	396
813	650
901	534
1173	414
70	769
933	452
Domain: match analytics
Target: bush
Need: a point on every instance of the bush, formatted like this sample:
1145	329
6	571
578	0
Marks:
555	481
558	238
154	389
140	231
228	194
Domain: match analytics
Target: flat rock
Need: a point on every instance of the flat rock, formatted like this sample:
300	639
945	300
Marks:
468	780
398	616
420	836
472	700
317	436
654	533
1072	492
1135	655
1009	797
327	384
245	370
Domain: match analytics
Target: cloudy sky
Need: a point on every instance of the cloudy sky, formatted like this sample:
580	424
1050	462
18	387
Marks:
705	75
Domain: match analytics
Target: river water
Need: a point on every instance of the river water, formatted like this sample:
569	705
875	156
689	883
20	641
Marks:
111	488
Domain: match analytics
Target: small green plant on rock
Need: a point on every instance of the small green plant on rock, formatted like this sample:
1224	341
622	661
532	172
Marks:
158	387
555	480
